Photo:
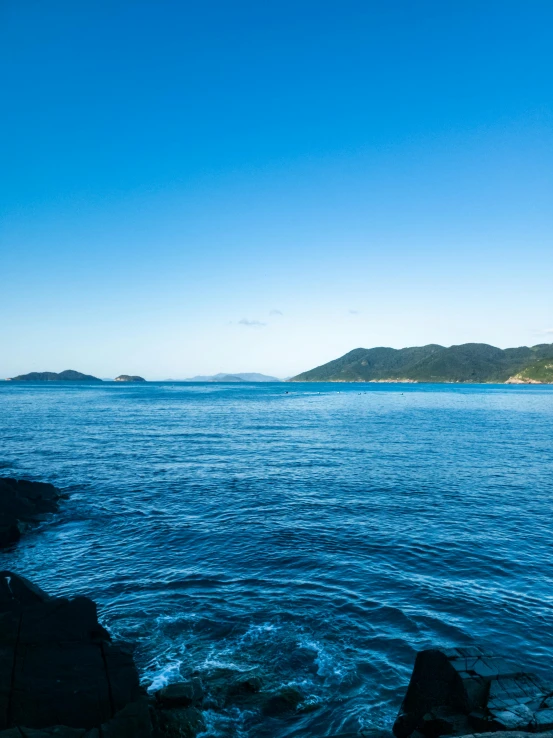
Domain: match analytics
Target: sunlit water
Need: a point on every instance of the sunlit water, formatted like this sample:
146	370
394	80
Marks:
321	534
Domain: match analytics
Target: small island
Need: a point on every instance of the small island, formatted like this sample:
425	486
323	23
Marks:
129	378
69	375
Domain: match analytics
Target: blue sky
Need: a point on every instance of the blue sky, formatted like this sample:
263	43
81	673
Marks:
202	187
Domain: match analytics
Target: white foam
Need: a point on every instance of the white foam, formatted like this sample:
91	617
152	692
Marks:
167	674
327	664
221	724
180	617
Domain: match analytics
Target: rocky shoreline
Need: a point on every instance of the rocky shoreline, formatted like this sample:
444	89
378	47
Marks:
22	504
61	674
466	690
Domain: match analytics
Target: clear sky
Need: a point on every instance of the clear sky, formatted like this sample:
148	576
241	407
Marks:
196	187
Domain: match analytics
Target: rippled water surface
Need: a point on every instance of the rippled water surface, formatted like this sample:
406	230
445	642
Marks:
320	534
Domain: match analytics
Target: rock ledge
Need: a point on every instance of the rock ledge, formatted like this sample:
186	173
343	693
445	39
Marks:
465	691
59	672
23	503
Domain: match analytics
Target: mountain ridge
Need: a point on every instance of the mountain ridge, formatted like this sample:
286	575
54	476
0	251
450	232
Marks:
234	377
468	362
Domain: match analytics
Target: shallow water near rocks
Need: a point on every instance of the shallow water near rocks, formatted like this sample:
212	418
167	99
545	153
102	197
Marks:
318	534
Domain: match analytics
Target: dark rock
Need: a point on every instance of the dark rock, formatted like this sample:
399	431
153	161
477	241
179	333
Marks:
245	685
16	590
57	731
510	734
10	533
181	694
244	691
465	691
444	721
180	722
216	684
23	503
363	733
59	672
287	700
133	721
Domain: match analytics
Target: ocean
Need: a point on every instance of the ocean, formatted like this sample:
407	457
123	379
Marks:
317	534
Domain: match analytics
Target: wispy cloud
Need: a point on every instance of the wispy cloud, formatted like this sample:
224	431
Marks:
353	312
544	332
251	323
276	312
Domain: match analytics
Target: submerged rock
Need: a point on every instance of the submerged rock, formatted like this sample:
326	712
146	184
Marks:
181	694
464	691
244	686
285	701
177	713
365	733
23	503
179	722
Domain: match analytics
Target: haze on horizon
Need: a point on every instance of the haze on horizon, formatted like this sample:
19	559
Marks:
194	188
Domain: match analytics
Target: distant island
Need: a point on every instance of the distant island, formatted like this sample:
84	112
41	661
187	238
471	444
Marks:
240	377
468	362
69	375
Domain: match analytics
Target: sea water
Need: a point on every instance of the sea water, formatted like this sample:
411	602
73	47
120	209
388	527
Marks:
319	534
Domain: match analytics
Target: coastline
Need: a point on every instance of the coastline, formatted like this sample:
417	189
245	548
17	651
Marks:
80	684
511	380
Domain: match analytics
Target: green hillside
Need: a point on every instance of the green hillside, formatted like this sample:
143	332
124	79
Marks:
541	371
468	362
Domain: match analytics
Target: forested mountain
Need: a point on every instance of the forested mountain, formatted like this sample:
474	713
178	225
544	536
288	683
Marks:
468	362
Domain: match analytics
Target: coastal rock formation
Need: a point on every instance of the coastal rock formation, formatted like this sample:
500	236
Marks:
181	694
61	675
518	379
465	691
129	378
372	733
23	503
59	668
510	734
177	710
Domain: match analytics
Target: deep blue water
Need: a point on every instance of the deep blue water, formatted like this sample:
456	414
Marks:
322	536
